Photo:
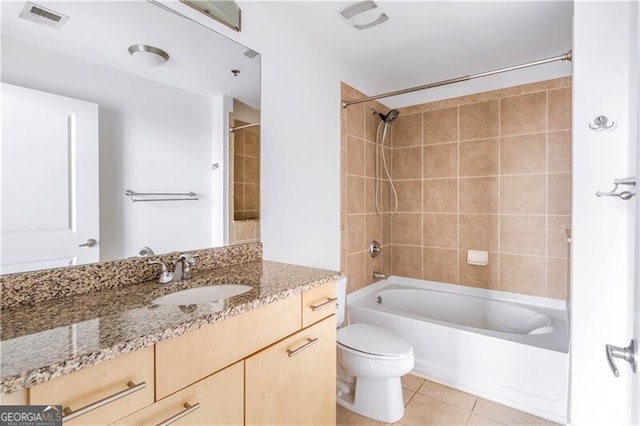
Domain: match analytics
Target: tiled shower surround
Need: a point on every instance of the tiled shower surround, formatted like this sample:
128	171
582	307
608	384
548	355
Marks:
490	171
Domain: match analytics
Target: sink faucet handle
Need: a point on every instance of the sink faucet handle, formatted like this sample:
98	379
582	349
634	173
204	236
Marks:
165	275
185	260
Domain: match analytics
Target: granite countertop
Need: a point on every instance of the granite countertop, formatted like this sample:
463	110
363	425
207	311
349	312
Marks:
59	336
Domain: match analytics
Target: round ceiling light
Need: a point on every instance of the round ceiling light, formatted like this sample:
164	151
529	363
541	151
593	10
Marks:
148	55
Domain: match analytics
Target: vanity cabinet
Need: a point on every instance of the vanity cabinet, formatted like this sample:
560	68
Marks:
294	381
215	400
129	379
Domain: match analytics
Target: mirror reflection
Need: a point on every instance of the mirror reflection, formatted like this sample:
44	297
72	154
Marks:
101	98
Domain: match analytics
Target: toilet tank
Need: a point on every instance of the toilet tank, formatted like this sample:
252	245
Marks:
341	294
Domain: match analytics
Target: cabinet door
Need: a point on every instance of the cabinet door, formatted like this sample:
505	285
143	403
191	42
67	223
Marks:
294	381
216	400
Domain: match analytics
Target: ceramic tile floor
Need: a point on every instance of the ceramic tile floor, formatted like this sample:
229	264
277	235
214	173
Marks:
429	403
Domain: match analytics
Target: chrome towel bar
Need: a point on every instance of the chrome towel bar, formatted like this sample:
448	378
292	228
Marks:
161	196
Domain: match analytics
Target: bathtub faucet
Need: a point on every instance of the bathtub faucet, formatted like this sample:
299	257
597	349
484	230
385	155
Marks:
377	275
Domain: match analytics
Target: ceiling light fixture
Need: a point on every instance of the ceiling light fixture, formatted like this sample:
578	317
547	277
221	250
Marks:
363	14
148	55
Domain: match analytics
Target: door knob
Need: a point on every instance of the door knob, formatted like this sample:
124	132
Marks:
629	354
90	243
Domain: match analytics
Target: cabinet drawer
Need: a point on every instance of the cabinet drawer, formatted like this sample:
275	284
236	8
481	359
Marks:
318	303
200	353
294	381
86	387
216	400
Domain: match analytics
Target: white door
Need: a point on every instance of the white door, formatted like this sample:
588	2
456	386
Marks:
49	180
604	247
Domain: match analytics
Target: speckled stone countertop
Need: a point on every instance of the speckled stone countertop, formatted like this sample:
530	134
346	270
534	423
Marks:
59	336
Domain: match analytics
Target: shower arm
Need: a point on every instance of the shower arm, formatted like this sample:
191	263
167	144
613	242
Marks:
564	57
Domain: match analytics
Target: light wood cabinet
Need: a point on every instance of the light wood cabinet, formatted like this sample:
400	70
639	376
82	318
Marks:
15	398
216	400
318	303
199	353
294	381
86	387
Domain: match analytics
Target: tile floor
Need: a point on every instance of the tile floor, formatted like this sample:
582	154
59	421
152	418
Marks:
429	403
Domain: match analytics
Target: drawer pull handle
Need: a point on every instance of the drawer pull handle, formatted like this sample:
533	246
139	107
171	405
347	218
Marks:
131	388
188	410
310	342
323	304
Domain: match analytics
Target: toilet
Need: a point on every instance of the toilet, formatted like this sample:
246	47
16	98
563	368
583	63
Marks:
371	361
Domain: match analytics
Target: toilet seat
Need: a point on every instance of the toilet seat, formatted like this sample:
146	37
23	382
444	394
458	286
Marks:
374	342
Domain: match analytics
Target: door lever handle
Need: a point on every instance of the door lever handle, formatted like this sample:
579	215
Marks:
629	354
90	243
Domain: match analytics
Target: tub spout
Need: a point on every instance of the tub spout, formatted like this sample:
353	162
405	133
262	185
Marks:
377	275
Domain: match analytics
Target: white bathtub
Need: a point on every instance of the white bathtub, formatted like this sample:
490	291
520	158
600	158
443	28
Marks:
506	347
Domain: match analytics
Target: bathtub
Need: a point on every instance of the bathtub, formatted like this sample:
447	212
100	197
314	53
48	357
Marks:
509	348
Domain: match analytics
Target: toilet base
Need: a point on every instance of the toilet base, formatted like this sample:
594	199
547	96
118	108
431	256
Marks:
378	399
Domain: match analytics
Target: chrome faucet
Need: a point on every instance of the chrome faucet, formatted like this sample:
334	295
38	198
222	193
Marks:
377	275
181	269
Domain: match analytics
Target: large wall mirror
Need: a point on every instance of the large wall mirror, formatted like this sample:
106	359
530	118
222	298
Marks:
116	137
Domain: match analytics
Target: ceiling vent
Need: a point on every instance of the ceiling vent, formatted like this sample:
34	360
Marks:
43	16
363	14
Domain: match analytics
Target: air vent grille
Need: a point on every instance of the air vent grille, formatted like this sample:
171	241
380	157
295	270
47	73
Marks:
43	16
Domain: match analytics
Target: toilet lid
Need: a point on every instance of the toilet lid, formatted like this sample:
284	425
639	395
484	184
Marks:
373	340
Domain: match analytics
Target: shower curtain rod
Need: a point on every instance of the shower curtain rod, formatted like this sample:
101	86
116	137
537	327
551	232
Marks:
233	129
564	57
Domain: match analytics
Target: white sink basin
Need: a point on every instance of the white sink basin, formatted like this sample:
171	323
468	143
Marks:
201	295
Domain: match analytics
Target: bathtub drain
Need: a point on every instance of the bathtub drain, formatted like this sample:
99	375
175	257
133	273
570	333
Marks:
379	299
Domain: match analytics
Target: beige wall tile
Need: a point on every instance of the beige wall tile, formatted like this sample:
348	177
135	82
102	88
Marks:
374	264
440	125
355	194
523	114
407	261
356	233
343	251
557	244
373	229
371	122
370	196
238	196
557	278
479	195
523	274
355	156
523	154
522	194
479	158
252	144
356	271
407	163
478	232
245	230
251	197
559	194
355	120
560	109
440	265
238	142
559	152
523	235
407	130
440	160
407	229
440	230
479	120
343	209
238	169
440	196
448	395
370	159
252	170
386	229
409	195
422	411
480	276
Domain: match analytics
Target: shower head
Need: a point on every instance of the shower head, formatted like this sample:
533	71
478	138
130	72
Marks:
390	117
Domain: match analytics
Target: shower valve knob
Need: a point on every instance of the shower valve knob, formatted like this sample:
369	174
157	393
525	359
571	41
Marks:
375	249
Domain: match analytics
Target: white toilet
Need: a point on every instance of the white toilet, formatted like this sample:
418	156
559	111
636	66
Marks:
371	361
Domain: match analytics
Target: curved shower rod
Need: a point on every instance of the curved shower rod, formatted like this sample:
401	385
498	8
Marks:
564	57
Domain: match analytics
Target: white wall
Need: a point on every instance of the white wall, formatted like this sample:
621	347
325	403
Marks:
140	134
603	259
300	139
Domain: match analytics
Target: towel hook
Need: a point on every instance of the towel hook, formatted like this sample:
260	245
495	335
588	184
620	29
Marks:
600	123
624	195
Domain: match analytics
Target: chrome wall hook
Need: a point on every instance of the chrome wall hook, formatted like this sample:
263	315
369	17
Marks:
600	123
623	195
